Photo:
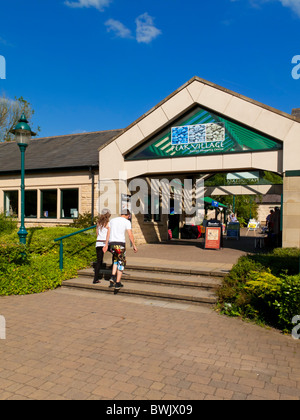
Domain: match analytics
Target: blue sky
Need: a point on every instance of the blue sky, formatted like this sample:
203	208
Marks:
89	65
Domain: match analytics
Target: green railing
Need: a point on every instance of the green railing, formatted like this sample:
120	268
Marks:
61	247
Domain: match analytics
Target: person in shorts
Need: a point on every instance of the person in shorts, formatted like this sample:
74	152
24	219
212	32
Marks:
117	243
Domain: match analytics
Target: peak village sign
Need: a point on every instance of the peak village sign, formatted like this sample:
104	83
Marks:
199	137
203	132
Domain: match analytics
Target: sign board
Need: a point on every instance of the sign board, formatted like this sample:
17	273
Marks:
242	178
203	132
214	203
233	230
253	224
212	237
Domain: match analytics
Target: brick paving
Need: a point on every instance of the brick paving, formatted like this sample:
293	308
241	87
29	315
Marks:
80	345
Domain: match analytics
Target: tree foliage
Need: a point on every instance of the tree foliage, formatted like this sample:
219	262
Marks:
10	113
245	205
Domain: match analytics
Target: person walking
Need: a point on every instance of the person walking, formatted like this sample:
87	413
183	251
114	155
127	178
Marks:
269	220
117	243
102	233
276	227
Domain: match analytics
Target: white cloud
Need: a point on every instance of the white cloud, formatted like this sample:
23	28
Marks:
293	4
98	4
120	30
145	29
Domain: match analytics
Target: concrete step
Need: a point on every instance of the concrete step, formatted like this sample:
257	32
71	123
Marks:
158	277
150	290
167	283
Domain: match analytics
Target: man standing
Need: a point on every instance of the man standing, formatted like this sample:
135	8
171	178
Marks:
276	227
116	240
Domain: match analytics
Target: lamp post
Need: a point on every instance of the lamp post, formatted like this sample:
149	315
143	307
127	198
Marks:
23	134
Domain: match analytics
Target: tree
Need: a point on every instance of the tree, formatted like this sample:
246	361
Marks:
245	205
10	112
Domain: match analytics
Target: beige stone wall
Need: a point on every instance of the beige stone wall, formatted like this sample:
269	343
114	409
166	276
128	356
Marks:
60	180
149	232
291	212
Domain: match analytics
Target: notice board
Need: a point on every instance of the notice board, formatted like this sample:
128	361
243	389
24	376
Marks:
233	230
212	237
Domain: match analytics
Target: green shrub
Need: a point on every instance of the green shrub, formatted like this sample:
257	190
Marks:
280	260
233	289
264	287
278	299
13	254
288	302
83	221
7	223
242	221
35	268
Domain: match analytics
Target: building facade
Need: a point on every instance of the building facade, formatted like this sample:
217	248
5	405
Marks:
159	163
201	129
61	178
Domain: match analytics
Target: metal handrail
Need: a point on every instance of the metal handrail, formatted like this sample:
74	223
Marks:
61	248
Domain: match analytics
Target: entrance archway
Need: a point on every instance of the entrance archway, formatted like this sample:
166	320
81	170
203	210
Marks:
203	128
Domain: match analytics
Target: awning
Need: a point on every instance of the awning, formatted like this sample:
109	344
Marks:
212	202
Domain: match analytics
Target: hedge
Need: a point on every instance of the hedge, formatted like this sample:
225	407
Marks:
35	268
264	288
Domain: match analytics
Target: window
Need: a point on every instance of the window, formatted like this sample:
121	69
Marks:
69	203
156	207
147	204
11	203
31	203
49	203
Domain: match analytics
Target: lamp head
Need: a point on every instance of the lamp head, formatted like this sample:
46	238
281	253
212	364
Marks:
22	131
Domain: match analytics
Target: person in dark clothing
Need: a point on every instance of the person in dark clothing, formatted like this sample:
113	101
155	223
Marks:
276	227
102	232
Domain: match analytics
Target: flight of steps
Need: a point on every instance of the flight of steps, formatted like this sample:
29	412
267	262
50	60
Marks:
180	285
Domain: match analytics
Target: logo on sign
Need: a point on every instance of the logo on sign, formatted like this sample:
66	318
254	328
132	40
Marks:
198	137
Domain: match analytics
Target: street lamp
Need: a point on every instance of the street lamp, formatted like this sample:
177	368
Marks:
23	134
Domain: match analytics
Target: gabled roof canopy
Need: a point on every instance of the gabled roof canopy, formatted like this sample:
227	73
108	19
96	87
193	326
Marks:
260	130
211	96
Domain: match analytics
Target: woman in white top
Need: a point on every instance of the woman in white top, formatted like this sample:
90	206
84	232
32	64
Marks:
102	229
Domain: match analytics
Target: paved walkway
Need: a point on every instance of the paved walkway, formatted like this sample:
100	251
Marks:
191	254
67	344
70	344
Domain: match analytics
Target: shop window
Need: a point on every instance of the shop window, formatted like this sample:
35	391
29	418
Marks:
31	203
148	216
49	203
147	211
69	203
11	203
157	208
